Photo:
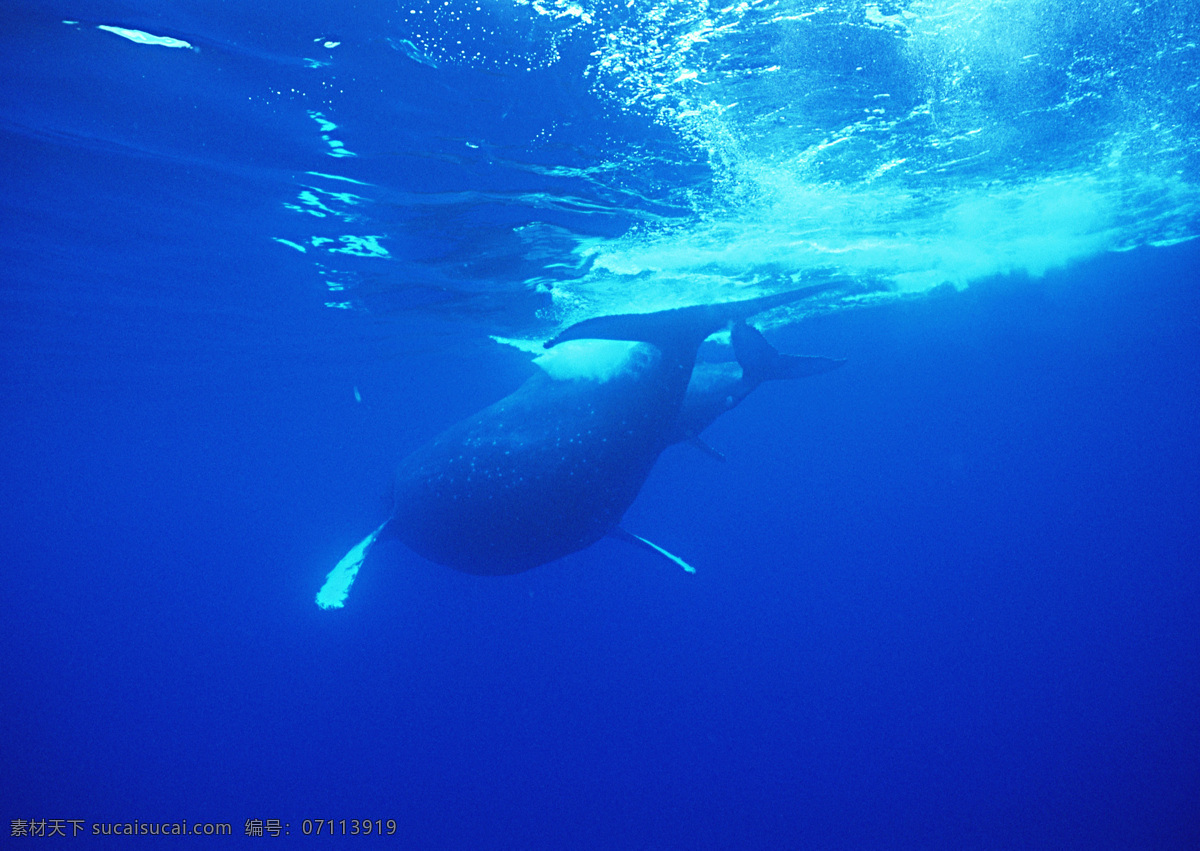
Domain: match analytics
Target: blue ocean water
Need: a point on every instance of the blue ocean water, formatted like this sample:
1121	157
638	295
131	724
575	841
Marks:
946	596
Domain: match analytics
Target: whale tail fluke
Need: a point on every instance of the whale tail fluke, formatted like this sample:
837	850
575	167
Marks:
337	584
761	362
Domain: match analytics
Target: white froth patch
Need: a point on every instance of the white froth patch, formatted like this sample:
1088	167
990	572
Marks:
597	360
521	344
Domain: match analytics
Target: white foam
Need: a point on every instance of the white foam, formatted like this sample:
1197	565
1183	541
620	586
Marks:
290	244
597	360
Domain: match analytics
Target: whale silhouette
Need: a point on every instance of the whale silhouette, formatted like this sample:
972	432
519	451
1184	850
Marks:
551	468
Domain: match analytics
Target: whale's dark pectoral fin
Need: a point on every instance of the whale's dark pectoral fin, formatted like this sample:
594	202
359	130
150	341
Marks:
337	584
682	328
638	541
706	449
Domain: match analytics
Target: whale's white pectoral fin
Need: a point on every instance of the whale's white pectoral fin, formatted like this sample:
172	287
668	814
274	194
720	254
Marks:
337	584
639	541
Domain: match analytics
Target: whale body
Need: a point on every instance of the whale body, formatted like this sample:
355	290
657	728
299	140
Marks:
552	467
542	473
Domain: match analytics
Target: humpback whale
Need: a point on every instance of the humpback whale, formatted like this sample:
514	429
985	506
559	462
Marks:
552	467
715	388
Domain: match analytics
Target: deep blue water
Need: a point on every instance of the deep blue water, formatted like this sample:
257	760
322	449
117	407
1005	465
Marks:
947	596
